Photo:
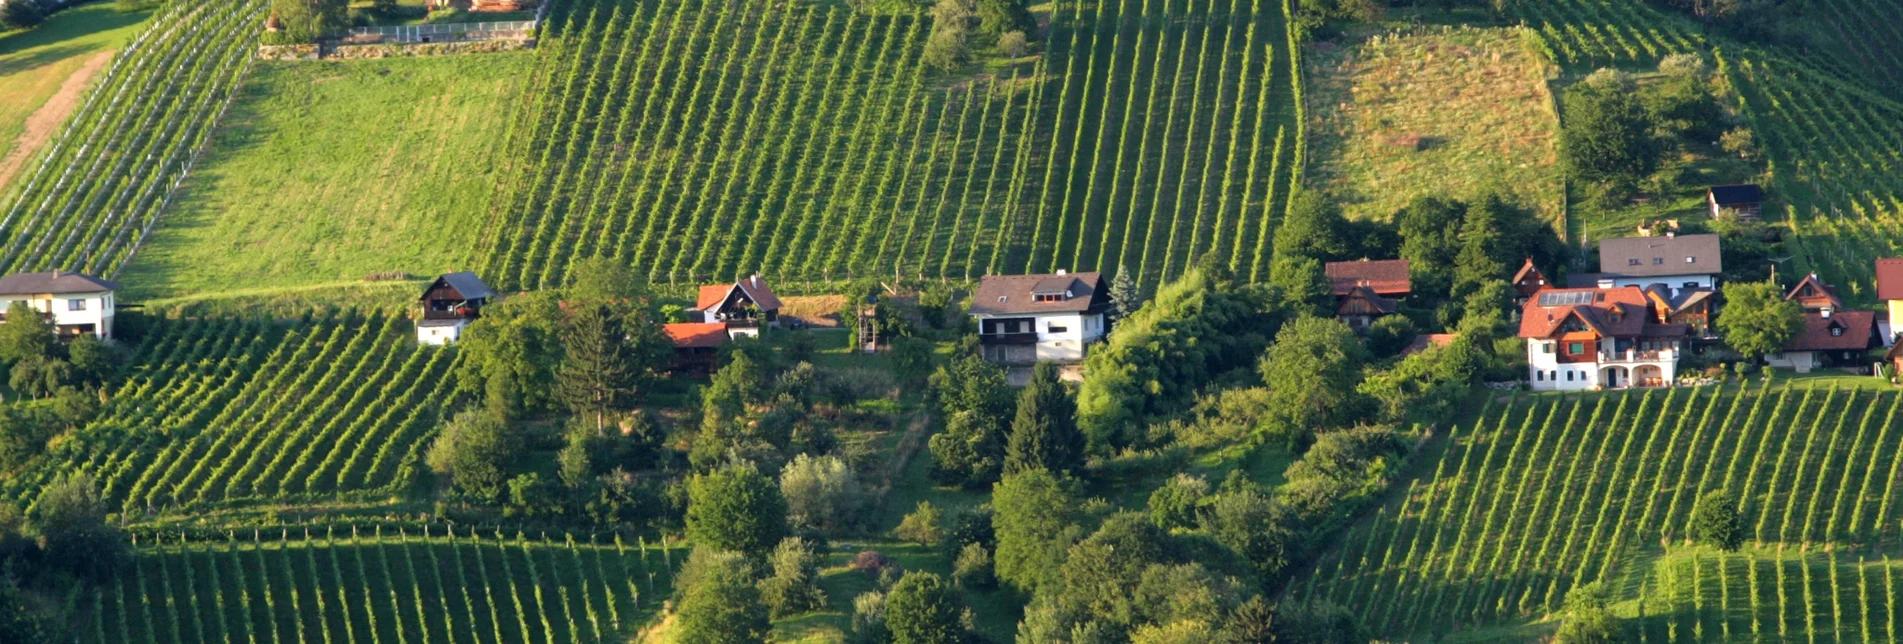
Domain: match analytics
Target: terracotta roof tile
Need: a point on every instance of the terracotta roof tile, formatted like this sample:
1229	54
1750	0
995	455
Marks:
695	335
1890	279
1856	331
1386	277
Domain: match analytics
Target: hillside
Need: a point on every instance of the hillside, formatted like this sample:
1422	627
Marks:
47	70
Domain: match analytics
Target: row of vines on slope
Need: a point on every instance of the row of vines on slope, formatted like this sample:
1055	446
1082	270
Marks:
1543	495
253	409
96	192
811	142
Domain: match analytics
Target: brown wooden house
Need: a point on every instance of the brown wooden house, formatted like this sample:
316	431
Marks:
1745	199
1366	290
1813	294
696	346
449	304
1527	281
1688	306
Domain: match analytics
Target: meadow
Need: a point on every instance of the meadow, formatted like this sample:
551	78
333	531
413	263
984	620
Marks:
329	172
1546	493
1147	134
36	64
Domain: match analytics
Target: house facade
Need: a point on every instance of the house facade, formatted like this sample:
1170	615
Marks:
1367	290
1831	337
1674	261
1051	317
1592	338
77	304
1745	199
450	303
745	306
1890	292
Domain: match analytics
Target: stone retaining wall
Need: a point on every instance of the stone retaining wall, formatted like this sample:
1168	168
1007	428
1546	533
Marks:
390	50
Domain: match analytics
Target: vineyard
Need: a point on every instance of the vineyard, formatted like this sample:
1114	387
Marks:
102	182
341	584
1547	493
254	409
809	142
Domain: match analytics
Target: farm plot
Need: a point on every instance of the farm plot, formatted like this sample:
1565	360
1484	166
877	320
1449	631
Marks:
339	584
1545	494
253	409
1595	33
101	183
810	142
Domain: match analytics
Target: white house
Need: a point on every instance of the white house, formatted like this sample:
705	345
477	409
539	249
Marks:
77	304
744	306
1040	318
1890	291
1592	338
450	304
1677	261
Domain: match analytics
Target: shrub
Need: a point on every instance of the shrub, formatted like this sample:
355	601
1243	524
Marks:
1174	505
1715	521
821	493
719	603
868	619
921	526
870	562
794	586
1587	619
973	569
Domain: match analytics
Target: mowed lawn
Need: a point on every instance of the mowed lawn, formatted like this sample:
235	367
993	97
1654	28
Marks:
1435	112
35	62
328	172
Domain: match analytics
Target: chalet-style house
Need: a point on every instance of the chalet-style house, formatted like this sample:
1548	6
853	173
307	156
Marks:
1366	290
1890	292
1594	338
1527	281
744	306
77	304
1052	317
450	303
1691	307
1675	261
1747	200
1831	336
696	346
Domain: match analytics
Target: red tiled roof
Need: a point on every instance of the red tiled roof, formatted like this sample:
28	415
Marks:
754	286
1890	279
1816	335
1615	312
1423	341
1386	277
696	335
711	296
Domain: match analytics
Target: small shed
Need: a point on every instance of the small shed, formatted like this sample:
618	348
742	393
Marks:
449	304
1747	199
696	346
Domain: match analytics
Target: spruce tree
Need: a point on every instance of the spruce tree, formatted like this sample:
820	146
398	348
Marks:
1044	434
1125	298
600	371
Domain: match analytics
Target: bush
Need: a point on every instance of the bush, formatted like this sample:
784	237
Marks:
921	526
1175	504
868	619
870	562
476	449
1715	521
821	494
973	569
1587	620
719	603
21	14
794	586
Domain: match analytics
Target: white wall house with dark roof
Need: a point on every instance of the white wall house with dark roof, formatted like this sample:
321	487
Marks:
76	303
1040	318
1677	261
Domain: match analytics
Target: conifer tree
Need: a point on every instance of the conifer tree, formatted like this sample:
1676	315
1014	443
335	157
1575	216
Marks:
1044	434
600	372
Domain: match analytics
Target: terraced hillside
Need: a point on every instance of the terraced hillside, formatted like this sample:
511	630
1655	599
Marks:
1546	493
102	183
809	142
340	584
228	410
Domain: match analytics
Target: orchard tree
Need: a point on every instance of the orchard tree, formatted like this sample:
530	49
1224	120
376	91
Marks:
735	508
26	334
1607	136
1715	521
719	602
1044	434
70	519
923	609
476	449
1757	320
1311	372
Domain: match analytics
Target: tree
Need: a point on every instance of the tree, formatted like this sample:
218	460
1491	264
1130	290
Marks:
21	437
1256	528
26	333
601	280
1757	320
1587	620
821	493
794	586
476	449
307	20
1715	521
1044	434
70	520
922	609
93	360
969	452
922	526
1035	525
719	602
1125	298
947	48
1175	504
1481	258
868	619
1313	228
735	508
1310	373
1607	136
973	569
601	372
1304	284
21	14
511	353
1427	384
726	407
999	17
39	376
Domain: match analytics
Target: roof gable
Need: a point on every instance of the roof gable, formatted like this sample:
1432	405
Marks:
1812	292
465	283
1854	331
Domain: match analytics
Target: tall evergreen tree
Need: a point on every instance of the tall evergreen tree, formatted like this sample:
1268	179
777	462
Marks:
1125	298
1044	434
602	371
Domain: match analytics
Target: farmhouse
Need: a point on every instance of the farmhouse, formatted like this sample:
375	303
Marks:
1675	261
450	303
1036	318
1831	337
1527	281
1747	200
76	303
1587	338
696	346
744	306
1366	290
1890	291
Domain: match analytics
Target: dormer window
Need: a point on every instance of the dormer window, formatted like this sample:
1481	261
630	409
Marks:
1050	297
1691	260
1836	331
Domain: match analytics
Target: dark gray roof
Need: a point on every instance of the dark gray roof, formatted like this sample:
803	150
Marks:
1013	294
1737	195
1582	280
466	283
54	282
1653	256
1054	285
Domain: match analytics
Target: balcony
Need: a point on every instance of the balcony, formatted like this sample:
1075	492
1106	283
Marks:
1007	338
1638	355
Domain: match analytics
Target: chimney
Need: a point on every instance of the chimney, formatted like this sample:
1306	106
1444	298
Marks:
755	280
1825	312
1062	272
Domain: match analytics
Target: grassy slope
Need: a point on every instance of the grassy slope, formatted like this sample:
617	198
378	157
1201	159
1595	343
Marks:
1477	98
332	171
33	63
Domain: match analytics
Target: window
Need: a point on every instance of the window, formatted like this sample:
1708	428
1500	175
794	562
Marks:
1057	329
1569	375
1540	376
76	305
1575	348
1657	261
1050	297
1836	331
1691	260
1632	262
1691	285
1546	347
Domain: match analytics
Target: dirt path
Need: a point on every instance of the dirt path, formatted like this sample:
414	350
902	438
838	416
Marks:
46	120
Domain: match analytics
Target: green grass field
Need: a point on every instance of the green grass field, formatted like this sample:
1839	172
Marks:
329	172
34	63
